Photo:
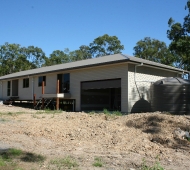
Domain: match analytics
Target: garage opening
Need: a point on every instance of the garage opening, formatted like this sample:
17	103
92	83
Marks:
102	94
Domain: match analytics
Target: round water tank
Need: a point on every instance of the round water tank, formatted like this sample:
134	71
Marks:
172	95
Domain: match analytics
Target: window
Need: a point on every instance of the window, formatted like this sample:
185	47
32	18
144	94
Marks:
8	88
66	78
64	82
26	83
41	79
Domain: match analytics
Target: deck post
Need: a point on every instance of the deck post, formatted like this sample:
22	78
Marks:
42	93
57	100
34	100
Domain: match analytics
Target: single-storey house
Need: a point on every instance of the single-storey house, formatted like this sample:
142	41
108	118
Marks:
114	82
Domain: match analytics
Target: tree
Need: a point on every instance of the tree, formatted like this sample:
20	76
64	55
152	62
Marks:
35	55
179	34
105	45
81	54
14	58
153	50
57	57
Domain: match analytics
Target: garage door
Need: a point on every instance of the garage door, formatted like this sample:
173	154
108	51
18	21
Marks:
102	94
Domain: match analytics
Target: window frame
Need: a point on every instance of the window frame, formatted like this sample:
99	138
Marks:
26	83
40	80
8	88
66	84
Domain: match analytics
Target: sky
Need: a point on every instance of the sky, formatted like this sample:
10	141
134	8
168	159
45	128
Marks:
59	24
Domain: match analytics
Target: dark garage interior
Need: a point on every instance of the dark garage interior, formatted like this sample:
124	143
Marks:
101	94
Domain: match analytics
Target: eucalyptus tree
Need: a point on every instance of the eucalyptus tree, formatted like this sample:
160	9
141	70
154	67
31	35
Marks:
153	50
105	45
179	34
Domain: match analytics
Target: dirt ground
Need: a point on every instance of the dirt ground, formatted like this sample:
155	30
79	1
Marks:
122	142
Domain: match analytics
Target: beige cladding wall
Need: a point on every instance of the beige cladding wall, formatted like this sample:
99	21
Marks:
25	93
99	73
51	83
4	89
141	89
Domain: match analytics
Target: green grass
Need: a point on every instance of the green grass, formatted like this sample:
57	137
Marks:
106	112
91	112
115	113
98	162
10	154
156	166
9	158
67	162
2	161
15	152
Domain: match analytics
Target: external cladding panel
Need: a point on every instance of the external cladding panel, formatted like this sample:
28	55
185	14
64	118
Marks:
4	90
99	73
25	93
49	88
139	92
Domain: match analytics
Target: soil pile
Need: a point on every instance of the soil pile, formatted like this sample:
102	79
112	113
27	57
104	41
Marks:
121	141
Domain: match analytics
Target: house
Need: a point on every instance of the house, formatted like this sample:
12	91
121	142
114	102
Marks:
115	82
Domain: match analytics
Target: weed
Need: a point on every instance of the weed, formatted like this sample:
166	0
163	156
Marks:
2	162
15	152
10	113
67	162
10	154
105	111
91	112
156	166
117	113
9	158
98	162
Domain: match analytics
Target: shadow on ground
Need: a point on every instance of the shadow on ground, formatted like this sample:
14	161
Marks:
10	154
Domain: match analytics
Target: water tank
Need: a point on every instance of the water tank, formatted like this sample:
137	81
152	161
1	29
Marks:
172	95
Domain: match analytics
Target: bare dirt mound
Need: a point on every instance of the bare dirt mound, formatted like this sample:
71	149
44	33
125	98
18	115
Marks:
121	141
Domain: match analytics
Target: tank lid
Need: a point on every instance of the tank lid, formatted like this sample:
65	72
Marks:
173	80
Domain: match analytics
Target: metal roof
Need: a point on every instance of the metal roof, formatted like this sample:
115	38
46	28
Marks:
109	59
